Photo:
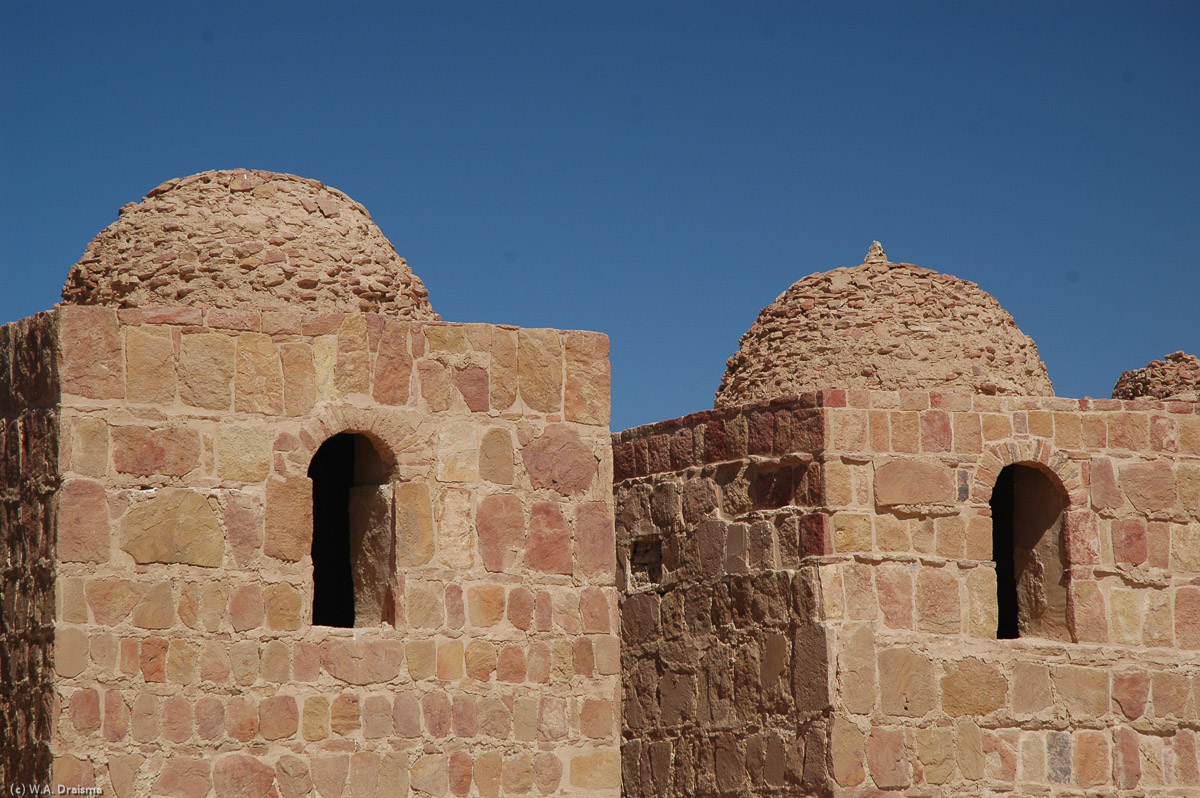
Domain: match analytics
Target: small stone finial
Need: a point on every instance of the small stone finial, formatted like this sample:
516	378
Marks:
876	254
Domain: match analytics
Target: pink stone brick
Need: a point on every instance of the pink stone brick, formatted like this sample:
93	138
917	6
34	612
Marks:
887	758
241	776
594	610
1187	617
500	523
406	715
538	663
246	609
1086	606
278	717
520	608
548	547
472	385
241	718
85	711
543	611
595	539
116	716
936	431
510	666
83	526
465	721
1130	692
393	366
152	659
329	773
437	713
210	718
293	777
459	773
184	777
1129	541
177	719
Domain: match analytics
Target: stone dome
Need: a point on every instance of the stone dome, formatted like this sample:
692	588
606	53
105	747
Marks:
883	326
248	239
1176	376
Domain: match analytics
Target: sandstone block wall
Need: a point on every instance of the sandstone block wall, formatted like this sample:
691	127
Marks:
28	480
890	527
186	661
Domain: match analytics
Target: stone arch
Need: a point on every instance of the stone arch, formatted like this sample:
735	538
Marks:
1028	486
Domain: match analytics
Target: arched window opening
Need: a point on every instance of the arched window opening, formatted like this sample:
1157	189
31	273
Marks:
352	544
1027	545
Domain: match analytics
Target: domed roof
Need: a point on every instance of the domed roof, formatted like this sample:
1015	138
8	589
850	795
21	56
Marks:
251	239
884	326
1177	376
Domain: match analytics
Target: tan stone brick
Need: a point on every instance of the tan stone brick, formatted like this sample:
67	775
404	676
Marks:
315	721
149	365
329	773
496	457
83	526
851	532
1083	691
906	683
938	606
540	369
156	610
856	665
968	749
429	775
70	651
278	717
973	687
258	377
89	447
935	749
176	525
847	748
244	661
1090	612
951	536
241	775
93	361
1149	486
891	534
1126	615
288	530
214	664
480	660
982	612
202	606
587	385
1031	688
1187	617
282	604
996	427
485	604
184	776
914	482
887	758
363	662
243	453
600	770
112	600
450	659
421	656
206	367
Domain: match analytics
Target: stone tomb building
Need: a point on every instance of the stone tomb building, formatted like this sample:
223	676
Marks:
272	528
934	579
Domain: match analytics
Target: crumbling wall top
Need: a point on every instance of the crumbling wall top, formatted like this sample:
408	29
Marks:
248	239
883	326
1176	376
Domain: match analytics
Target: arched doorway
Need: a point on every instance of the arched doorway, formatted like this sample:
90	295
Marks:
1027	545
352	543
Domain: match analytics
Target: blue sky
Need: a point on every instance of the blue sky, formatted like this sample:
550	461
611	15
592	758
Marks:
659	171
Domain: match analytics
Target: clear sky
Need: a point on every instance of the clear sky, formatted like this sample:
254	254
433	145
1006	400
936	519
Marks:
659	171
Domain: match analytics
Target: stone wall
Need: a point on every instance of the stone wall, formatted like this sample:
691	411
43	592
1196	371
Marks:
893	532
187	661
28	479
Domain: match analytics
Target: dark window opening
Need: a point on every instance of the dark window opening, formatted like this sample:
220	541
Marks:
352	550
645	562
1031	589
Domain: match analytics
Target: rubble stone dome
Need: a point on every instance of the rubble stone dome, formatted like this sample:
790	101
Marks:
1176	376
247	239
883	326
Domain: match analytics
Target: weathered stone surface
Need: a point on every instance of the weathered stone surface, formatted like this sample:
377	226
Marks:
500	523
586	398
914	482
93	359
799	344
973	687
1149	486
906	683
288	531
258	376
1175	376
175	525
243	453
83	526
149	365
206	364
184	777
242	236
600	770
559	460
172	451
548	547
240	776
364	662
496	457
414	524
393	366
540	369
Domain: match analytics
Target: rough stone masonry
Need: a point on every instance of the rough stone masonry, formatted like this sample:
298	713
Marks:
273	529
